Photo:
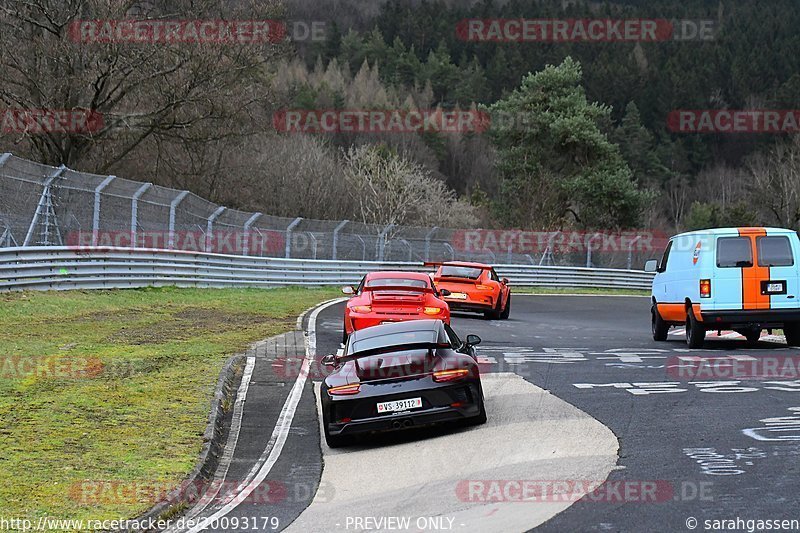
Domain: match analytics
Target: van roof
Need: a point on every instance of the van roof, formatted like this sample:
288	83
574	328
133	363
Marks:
734	231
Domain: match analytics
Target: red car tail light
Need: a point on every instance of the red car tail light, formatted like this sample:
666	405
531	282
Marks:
345	390
705	288
433	310
361	308
441	376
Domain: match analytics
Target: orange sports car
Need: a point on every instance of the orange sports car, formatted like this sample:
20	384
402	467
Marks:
474	287
384	297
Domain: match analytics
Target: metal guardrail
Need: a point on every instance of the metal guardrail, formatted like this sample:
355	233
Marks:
61	268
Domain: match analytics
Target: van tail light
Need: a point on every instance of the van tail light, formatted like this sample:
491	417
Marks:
345	390
705	288
450	375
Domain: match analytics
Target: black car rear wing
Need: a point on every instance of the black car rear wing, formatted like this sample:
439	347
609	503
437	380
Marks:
430	346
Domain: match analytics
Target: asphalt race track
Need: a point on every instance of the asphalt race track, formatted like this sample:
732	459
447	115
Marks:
577	394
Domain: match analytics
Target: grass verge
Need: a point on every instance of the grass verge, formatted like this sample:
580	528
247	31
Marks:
115	386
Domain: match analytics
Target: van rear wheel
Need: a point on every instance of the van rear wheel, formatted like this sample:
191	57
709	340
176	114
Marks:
792	333
659	327
695	331
752	336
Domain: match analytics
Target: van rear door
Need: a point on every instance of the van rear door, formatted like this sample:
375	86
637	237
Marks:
776	252
734	255
754	275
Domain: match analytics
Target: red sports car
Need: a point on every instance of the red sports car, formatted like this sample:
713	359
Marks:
384	297
474	287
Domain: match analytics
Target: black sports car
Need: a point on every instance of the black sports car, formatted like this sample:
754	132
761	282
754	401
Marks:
398	376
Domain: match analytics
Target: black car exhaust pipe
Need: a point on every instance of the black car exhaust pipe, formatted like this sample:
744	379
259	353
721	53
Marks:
407	423
396	424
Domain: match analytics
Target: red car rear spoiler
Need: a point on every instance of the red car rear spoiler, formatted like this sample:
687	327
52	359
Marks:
407	288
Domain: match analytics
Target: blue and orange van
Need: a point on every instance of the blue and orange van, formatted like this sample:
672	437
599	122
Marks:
742	279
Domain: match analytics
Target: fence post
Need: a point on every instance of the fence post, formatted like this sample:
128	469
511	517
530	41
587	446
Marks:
630	251
410	249
589	249
250	221
382	241
172	207
135	211
313	243
452	252
96	215
336	231
547	255
289	229
363	247
210	227
42	200
428	237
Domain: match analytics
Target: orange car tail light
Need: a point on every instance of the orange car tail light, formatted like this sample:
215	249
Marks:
433	310
483	287
345	390
441	376
361	308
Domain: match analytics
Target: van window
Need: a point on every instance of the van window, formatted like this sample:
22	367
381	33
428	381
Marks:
662	266
774	252
734	252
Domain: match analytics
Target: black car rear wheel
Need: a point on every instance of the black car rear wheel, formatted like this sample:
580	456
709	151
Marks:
336	441
481	417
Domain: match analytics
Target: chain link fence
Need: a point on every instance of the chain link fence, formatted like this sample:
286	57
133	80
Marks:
42	205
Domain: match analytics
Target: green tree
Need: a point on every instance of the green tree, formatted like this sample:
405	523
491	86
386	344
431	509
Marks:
442	73
554	160
637	146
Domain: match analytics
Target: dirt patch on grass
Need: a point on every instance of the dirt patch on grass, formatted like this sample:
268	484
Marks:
110	316
186	323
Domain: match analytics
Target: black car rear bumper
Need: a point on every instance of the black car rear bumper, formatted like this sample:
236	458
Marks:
408	420
443	402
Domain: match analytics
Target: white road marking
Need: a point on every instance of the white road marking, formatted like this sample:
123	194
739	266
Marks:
281	432
530	435
230	444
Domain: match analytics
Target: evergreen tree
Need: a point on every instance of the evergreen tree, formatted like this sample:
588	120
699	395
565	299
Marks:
554	160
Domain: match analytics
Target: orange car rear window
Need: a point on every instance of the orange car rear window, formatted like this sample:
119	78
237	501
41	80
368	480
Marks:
461	272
